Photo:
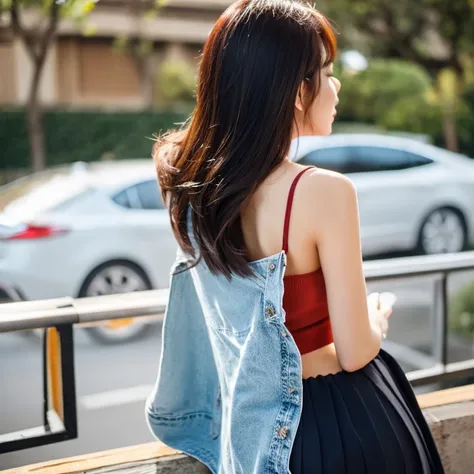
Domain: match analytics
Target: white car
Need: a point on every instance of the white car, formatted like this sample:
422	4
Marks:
412	195
86	230
101	228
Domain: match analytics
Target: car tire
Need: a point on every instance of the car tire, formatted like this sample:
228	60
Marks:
444	230
114	278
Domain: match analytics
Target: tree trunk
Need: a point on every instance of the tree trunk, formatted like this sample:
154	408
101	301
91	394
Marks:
449	100
34	117
145	71
148	86
450	131
36	135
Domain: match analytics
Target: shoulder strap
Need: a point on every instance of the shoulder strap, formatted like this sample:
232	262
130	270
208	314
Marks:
286	228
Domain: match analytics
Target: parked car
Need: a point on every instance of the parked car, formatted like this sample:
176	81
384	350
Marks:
412	195
101	228
86	230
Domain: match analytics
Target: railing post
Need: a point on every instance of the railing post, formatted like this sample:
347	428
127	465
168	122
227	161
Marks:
444	320
441	320
59	395
45	378
66	333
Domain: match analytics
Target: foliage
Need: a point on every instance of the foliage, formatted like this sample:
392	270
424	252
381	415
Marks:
176	82
37	37
461	312
84	136
369	93
76	10
432	33
466	121
139	12
396	95
393	94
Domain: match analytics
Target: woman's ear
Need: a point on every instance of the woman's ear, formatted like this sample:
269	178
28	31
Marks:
299	98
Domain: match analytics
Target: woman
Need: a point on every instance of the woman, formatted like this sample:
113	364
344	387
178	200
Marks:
271	358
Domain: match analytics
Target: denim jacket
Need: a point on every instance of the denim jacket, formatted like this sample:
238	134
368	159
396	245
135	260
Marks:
229	385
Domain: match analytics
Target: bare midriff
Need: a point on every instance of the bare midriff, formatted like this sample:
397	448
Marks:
322	361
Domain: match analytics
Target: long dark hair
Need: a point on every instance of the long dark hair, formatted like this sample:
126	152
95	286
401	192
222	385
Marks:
253	64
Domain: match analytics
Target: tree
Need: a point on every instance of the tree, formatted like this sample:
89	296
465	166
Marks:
37	38
177	84
435	34
392	94
138	46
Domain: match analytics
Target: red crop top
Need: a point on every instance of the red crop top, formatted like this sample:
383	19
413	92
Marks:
304	298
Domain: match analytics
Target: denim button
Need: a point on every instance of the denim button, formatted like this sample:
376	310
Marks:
291	389
283	431
272	267
283	333
269	310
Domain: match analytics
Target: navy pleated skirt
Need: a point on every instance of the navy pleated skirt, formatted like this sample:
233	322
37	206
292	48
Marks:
363	422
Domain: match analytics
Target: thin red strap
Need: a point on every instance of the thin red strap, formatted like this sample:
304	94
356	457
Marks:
289	204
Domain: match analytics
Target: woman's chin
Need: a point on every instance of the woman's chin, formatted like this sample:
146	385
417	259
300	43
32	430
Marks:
327	132
323	131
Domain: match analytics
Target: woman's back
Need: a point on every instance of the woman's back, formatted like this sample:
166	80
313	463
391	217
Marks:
263	220
263	225
320	213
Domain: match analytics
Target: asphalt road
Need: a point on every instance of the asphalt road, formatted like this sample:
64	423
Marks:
112	382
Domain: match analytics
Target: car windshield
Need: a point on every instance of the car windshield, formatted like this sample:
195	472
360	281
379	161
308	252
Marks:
43	191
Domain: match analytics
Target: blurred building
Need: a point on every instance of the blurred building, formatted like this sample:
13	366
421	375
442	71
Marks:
84	71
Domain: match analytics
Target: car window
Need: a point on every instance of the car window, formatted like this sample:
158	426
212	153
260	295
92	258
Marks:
371	158
339	159
363	159
149	195
144	195
123	199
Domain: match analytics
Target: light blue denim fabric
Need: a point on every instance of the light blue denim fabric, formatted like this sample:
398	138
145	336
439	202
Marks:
229	385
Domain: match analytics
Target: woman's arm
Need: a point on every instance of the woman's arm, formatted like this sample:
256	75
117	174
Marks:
357	336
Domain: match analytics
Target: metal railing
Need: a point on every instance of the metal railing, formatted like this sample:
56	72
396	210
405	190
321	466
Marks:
58	316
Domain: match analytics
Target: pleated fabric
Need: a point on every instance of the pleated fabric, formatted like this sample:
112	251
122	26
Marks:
363	422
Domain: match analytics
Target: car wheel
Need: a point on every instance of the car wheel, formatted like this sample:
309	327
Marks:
114	278
443	231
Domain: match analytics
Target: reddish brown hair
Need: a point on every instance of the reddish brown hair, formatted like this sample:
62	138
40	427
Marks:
253	64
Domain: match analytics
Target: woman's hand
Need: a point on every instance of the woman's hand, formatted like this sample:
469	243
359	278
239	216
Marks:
380	309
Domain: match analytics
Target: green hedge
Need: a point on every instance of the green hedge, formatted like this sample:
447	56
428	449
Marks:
83	136
88	136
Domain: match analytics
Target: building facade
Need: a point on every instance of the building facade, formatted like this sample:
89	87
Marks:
87	71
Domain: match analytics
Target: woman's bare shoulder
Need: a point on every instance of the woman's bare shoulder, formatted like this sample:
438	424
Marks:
328	187
324	199
325	205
